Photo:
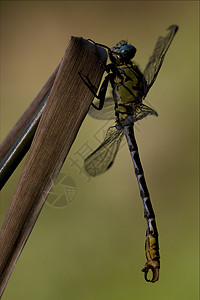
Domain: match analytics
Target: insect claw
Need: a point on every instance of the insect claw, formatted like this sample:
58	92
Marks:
90	40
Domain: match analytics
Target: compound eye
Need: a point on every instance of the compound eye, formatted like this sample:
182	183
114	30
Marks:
127	52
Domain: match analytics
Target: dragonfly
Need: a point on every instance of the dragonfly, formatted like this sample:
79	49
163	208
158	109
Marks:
129	88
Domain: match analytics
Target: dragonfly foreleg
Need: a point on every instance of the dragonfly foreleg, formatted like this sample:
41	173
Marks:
151	245
105	67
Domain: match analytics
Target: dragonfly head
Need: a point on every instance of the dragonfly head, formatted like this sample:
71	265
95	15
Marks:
122	53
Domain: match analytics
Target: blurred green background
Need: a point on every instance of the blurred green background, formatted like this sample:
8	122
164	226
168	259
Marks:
94	247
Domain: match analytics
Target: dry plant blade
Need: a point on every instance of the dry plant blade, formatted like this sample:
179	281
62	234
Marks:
26	117
18	141
66	109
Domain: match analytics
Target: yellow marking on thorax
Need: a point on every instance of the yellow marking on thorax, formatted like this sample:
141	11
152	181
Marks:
128	85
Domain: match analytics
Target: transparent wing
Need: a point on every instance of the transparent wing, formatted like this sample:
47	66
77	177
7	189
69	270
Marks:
156	60
103	157
107	112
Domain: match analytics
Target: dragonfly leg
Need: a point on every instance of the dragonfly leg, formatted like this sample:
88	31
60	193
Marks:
151	244
98	44
102	92
105	67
